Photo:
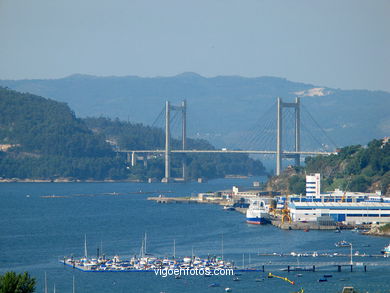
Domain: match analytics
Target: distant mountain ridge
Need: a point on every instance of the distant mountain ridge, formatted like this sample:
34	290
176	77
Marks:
220	108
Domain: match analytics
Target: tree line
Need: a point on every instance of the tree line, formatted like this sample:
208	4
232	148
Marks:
354	168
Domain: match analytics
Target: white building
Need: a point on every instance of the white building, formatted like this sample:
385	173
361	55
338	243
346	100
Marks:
313	184
345	212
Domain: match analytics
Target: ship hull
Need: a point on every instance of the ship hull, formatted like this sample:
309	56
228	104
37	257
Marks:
257	221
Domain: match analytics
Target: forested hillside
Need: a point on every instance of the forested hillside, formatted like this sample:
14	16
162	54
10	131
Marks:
43	139
353	168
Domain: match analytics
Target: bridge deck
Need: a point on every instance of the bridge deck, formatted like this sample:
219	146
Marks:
264	152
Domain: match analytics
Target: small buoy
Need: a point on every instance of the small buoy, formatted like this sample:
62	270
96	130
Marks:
228	290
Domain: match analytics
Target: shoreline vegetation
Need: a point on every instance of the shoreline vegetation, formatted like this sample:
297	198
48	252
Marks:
353	168
72	180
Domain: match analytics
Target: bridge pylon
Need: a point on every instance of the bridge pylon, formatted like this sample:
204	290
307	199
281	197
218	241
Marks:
279	132
167	153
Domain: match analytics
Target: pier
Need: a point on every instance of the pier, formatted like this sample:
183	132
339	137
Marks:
166	199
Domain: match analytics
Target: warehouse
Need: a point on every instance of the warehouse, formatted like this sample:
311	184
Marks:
345	212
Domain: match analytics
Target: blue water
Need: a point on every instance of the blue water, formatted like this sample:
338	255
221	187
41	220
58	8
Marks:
37	232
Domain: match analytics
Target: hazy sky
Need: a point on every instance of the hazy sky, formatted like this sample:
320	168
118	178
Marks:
336	43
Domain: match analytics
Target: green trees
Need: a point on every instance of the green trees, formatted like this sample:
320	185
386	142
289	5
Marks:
297	184
11	282
358	167
49	142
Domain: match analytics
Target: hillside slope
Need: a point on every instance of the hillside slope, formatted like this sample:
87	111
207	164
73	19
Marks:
353	168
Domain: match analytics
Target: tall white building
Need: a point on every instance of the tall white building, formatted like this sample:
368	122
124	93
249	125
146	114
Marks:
313	184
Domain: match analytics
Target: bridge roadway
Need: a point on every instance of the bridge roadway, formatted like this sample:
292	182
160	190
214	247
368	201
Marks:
310	153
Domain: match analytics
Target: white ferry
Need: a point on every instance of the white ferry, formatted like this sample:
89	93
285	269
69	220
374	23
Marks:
257	213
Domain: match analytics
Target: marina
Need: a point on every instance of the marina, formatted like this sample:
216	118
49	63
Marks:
148	264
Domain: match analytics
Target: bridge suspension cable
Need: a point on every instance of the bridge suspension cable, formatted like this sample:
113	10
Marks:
158	122
319	126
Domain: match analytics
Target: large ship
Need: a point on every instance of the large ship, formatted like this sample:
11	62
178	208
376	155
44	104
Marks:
257	213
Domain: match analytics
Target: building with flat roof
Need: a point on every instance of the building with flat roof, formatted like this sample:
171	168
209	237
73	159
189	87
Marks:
344	212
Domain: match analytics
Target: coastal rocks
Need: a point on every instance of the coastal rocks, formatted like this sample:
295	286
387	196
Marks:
379	230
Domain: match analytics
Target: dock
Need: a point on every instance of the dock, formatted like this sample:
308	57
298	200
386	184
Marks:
165	199
188	199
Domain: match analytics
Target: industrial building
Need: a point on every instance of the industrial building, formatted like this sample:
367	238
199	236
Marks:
345	212
339	206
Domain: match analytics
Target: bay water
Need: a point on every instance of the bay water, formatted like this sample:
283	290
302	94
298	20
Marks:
38	230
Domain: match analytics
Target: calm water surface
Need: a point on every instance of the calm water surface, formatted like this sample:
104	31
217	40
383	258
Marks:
37	232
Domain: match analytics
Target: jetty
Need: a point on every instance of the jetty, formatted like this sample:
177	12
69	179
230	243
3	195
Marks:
166	199
188	199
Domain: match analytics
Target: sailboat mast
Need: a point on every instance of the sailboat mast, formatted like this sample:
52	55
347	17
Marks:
85	246
145	244
45	282
74	287
222	246
142	248
174	248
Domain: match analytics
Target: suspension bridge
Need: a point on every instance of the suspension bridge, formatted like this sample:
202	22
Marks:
280	153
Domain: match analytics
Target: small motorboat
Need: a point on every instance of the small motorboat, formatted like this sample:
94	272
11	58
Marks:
323	280
386	250
328	276
228	290
213	285
229	208
343	243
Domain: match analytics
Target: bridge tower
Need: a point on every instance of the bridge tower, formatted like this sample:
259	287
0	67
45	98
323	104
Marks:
183	109
279	132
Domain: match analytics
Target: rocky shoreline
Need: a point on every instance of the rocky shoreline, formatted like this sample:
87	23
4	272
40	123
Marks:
379	230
